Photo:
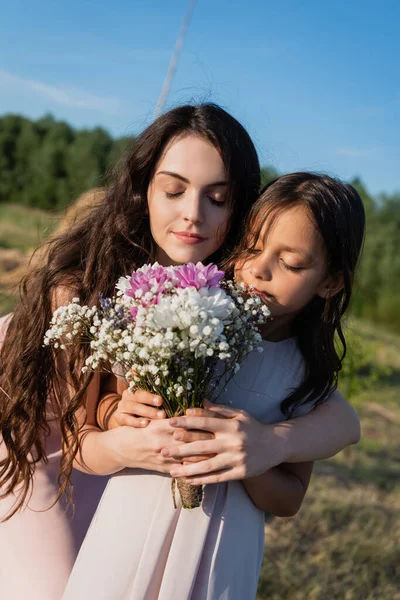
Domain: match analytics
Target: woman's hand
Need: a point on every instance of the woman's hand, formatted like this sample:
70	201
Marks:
139	408
241	447
141	448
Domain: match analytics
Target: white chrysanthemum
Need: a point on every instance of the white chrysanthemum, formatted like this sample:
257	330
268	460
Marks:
123	284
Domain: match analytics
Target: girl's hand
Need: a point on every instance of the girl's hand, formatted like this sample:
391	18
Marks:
136	409
241	447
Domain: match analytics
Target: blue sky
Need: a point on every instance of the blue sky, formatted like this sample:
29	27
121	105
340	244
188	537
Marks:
316	83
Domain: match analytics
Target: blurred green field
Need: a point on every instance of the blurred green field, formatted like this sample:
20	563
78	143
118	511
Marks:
344	543
24	228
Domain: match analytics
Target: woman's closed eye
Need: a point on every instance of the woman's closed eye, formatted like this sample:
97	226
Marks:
217	200
172	195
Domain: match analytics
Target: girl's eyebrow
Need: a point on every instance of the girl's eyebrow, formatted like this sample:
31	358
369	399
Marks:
185	180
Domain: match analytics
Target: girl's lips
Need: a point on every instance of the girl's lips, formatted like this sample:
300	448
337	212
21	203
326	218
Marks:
263	295
188	238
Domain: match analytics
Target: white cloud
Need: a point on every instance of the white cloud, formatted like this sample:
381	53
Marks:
354	152
60	94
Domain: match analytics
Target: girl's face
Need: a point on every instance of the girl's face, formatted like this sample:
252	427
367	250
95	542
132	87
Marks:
187	202
288	266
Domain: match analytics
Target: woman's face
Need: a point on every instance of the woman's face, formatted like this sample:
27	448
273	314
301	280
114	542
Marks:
187	201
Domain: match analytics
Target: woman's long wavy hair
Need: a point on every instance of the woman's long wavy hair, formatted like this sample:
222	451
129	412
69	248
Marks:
112	240
338	213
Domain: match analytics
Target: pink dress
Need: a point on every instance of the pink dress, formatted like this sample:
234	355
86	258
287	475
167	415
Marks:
139	547
38	545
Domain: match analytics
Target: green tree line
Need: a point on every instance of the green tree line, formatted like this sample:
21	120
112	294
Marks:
47	163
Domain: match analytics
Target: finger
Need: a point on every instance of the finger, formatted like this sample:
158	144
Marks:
204	423
216	477
143	397
199	448
195	459
141	410
192	436
204	467
124	419
225	411
202	412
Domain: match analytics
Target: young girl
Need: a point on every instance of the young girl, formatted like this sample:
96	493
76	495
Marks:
300	252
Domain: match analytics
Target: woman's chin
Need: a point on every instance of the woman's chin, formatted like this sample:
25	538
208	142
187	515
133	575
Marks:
183	257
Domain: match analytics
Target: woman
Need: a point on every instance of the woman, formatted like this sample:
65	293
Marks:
41	393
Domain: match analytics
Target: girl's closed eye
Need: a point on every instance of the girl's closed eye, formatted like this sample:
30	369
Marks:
291	268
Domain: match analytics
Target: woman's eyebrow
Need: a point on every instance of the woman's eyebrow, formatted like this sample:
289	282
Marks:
171	174
185	180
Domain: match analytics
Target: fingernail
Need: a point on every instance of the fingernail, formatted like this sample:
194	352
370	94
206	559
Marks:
156	400
160	413
165	452
190	411
178	436
144	422
173	422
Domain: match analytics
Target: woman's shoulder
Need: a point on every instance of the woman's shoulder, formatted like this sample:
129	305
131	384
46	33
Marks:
4	322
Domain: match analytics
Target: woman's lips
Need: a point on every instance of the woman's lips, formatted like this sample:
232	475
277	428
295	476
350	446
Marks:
188	238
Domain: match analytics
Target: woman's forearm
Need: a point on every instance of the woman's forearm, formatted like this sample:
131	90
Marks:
106	408
97	452
320	434
280	490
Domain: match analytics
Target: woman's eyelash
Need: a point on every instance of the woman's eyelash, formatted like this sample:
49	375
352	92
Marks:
171	195
216	202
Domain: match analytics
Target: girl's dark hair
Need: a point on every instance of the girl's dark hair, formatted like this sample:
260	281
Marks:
112	240
338	213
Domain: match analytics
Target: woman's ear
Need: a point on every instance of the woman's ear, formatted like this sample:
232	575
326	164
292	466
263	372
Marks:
331	286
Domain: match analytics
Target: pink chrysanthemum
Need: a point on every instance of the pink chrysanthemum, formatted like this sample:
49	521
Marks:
198	275
146	278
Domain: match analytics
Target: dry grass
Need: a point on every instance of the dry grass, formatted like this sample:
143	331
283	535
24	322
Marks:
344	542
22	230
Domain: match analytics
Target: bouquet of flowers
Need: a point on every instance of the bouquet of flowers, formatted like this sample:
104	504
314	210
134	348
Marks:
180	332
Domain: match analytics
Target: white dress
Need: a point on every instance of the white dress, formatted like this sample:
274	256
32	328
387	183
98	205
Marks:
139	547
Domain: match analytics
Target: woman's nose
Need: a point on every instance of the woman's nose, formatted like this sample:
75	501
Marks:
193	210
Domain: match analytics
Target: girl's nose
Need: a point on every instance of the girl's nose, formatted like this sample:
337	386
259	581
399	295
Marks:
260	268
193	210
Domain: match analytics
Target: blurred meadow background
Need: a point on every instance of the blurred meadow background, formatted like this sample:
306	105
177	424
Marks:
316	85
